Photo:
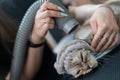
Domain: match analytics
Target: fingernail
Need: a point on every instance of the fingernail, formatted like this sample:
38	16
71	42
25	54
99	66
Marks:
61	9
63	14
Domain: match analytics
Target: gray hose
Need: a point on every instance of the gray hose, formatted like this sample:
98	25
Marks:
21	41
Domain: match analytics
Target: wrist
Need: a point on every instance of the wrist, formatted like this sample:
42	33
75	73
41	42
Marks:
105	8
36	39
115	11
35	42
35	45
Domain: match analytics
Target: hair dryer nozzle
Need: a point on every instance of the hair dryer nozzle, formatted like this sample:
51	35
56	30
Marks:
68	23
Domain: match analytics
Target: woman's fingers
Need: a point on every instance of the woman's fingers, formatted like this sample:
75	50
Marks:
115	40
51	6
41	26
104	41
40	22
50	13
97	38
50	10
47	22
109	42
45	28
44	19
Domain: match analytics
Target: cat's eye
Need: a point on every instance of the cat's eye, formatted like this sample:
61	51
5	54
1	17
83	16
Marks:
78	72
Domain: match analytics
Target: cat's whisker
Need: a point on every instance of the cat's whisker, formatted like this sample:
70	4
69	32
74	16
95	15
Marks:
108	56
100	64
114	56
105	60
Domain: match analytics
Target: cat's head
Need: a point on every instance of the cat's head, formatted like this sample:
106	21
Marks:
76	58
81	63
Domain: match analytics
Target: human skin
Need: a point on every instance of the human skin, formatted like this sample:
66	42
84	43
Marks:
77	2
103	23
82	2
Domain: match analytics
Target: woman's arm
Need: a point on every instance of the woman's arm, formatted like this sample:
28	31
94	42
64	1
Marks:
33	63
86	11
83	12
43	22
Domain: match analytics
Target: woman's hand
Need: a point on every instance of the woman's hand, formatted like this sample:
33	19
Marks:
103	24
44	20
105	29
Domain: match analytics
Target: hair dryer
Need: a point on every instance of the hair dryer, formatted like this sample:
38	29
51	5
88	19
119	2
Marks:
67	24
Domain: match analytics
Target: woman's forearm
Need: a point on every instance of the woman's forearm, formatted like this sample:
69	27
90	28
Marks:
33	63
83	12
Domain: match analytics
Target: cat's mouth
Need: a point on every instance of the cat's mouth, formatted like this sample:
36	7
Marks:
76	58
